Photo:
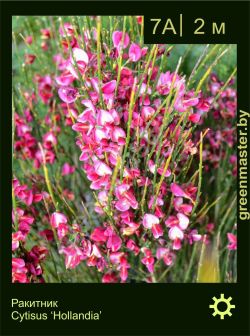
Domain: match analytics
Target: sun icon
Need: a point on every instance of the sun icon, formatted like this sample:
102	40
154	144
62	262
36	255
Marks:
226	303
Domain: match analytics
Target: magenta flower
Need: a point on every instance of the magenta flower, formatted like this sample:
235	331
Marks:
78	61
98	235
114	242
47	234
68	94
123	268
165	254
117	38
58	218
183	221
67	169
177	227
152	222
118	135
102	169
29	39
95	258
73	255
178	191
130	229
182	207
45	33
104	118
19	270
126	198
195	118
66	30
109	87
164	82
147	112
131	245
232	239
175	233
59	222
16	238
49	140
29	58
110	278
65	79
148	260
26	195
193	236
134	52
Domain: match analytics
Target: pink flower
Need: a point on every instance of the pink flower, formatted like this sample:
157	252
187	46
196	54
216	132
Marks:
104	117
183	221
45	33
233	159
29	39
118	135
147	112
165	254
49	140
117	38
19	270
86	245
157	230
164	83
181	207
130	229
139	19
62	230
102	169
98	235
160	170
152	222
126	198
66	30
178	191
115	257
232	239
210	227
68	94
58	218
149	220
114	242
67	169
148	260
79	59
193	236
109	87
65	79
59	222
73	255
134	52
177	225
96	259
131	245
177	244
47	234
24	221
16	237
123	267
29	58
175	233
195	118
203	105
109	278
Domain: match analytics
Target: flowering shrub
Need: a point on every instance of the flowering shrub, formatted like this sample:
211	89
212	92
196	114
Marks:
113	147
